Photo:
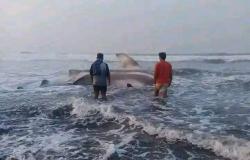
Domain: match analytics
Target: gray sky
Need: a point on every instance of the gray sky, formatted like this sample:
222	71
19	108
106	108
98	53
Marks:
83	26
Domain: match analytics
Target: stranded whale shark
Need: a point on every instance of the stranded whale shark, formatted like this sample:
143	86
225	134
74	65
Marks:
130	75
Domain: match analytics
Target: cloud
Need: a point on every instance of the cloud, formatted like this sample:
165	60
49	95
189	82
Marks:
133	26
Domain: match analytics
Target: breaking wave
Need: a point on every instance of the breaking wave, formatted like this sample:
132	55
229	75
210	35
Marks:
206	115
215	61
189	71
226	146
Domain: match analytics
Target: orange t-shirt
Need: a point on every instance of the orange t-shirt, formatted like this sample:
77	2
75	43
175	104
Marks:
163	72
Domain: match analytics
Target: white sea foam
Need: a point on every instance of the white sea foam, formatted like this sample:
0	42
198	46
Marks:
43	143
81	108
115	148
110	149
226	146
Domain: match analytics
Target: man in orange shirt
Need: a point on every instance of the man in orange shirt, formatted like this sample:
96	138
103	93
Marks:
162	75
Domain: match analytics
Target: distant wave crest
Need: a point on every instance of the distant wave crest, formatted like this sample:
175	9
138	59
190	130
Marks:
215	61
188	71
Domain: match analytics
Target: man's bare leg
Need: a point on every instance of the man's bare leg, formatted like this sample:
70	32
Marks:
96	94
164	93
157	89
104	97
156	92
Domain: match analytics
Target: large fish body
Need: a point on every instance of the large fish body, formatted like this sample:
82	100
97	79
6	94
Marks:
130	75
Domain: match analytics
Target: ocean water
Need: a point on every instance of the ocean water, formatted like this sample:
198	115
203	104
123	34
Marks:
205	116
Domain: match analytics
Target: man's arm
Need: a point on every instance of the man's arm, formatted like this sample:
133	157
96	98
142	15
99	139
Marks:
155	73
171	75
91	73
108	73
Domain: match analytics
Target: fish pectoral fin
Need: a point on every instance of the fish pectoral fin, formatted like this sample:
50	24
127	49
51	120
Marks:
127	62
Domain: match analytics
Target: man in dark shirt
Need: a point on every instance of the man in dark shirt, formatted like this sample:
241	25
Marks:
100	76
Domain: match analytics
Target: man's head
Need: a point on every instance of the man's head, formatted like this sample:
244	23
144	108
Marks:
99	56
162	55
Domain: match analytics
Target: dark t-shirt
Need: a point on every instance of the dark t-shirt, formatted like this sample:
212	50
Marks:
100	72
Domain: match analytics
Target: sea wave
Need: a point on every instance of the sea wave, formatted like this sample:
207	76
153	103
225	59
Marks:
44	145
189	71
226	146
209	58
225	60
234	81
215	61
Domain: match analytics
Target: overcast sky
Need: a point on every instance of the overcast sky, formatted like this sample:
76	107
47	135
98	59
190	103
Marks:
135	26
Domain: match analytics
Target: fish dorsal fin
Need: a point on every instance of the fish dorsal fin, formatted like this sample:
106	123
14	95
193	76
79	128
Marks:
127	62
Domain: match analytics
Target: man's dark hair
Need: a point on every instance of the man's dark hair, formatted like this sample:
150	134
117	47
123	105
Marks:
99	56
162	55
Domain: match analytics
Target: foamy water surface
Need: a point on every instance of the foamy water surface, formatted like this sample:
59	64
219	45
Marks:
205	116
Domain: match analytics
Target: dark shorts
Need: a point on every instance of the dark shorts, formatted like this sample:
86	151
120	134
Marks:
100	88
